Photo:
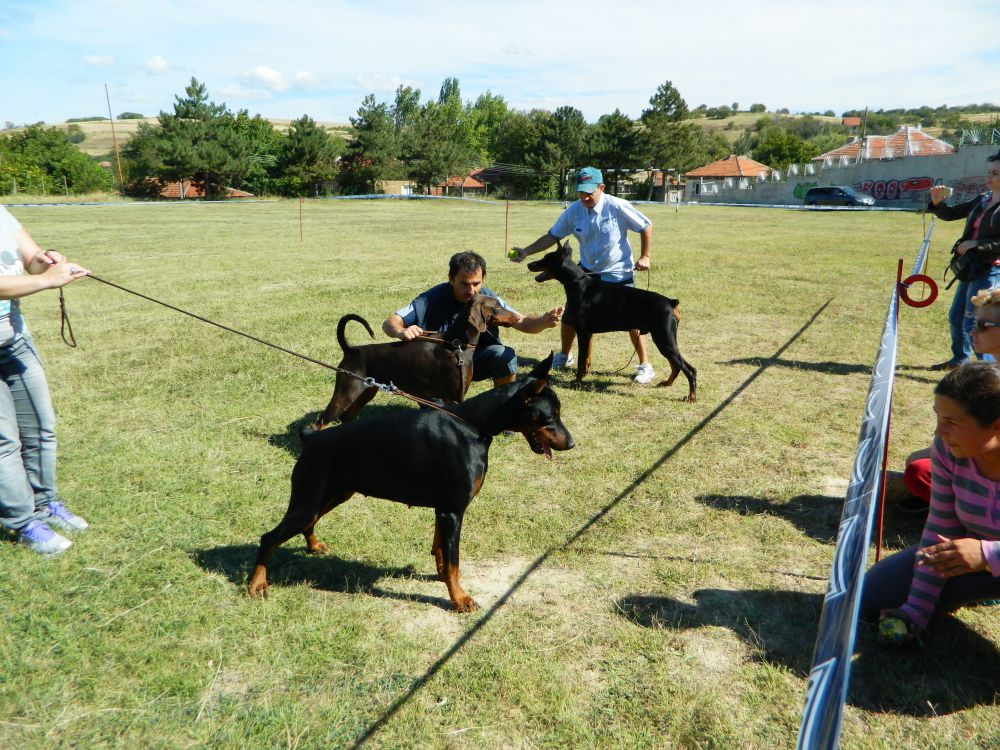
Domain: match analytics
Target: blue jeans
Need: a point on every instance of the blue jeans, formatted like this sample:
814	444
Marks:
492	361
961	311
27	435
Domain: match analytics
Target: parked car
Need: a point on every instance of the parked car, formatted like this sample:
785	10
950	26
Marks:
840	195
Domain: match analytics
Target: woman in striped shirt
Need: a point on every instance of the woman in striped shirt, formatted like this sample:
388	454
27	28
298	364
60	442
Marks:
957	561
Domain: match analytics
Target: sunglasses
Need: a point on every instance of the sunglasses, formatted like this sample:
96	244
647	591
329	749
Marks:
984	325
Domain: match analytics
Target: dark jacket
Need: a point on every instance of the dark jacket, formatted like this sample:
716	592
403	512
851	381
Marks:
988	241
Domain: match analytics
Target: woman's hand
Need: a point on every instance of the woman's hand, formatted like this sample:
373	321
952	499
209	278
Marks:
940	193
61	274
953	557
963	247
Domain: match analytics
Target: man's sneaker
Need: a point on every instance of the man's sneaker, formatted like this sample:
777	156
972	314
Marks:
644	373
562	361
43	540
63	519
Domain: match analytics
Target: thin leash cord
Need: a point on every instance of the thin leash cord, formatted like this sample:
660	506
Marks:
371	382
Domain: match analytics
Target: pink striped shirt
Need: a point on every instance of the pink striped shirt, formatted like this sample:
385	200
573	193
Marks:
964	503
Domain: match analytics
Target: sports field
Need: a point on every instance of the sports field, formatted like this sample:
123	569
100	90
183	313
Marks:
659	586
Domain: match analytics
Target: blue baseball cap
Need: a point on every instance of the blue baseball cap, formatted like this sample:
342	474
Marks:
588	180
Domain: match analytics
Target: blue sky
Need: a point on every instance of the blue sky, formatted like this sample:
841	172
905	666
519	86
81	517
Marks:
321	58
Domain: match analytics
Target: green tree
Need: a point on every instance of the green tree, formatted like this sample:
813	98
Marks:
616	145
436	148
200	141
668	102
373	151
487	118
307	160
39	159
779	147
757	108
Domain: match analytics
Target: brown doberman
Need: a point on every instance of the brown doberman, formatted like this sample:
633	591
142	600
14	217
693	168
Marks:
438	366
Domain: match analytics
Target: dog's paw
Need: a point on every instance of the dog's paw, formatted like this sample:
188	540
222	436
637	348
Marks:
465	604
317	548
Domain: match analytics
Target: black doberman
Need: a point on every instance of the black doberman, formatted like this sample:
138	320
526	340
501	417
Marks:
596	306
438	460
435	367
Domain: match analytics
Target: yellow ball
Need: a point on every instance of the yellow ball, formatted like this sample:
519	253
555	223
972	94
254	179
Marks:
893	630
513	254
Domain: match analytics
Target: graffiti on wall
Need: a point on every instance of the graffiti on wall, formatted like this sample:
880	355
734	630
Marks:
801	188
910	189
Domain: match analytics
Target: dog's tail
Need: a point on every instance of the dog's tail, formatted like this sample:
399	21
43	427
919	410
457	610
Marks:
342	325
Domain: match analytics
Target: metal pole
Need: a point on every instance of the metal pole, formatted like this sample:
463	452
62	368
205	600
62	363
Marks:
114	140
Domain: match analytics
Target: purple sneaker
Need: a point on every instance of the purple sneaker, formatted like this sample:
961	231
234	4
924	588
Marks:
43	540
63	519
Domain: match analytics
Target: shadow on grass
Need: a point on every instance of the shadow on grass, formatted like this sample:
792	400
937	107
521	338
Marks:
290	441
956	671
487	615
324	572
818	516
829	368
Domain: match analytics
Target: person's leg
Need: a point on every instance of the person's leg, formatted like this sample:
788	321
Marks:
639	344
17	499
960	347
495	362
887	583
567	335
917	478
36	421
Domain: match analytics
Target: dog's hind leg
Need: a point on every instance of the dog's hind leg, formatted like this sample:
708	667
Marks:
449	532
305	507
436	551
666	341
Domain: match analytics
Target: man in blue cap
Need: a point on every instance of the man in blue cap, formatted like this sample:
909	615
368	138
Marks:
600	224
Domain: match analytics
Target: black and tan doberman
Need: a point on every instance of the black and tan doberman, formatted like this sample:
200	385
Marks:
425	457
596	306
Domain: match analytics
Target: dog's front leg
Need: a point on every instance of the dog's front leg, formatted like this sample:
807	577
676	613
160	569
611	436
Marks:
584	341
450	530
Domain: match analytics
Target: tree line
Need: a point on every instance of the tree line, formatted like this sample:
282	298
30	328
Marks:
529	153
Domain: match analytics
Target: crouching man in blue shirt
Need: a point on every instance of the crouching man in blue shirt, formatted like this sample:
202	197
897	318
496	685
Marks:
435	309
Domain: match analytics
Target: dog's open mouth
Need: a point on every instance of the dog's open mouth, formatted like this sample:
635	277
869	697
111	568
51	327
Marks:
538	445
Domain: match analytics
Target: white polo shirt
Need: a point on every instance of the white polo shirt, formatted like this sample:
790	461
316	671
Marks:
10	265
602	233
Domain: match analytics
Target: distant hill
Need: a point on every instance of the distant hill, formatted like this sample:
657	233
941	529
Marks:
98	141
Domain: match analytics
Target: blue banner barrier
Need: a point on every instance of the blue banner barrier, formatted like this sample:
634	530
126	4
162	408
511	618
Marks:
829	677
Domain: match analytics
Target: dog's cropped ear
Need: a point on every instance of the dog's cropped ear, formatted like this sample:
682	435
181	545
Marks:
541	370
566	249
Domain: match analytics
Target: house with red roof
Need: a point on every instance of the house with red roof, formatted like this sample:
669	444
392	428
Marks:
908	140
731	166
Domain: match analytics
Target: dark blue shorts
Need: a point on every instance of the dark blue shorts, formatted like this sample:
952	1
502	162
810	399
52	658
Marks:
493	361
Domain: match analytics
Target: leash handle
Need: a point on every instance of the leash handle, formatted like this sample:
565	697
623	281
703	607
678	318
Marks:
64	325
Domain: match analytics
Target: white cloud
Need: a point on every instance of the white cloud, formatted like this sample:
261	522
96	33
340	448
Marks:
304	79
99	61
157	65
379	82
517	50
268	78
243	92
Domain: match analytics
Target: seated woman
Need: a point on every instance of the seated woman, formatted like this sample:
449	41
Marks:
957	561
985	340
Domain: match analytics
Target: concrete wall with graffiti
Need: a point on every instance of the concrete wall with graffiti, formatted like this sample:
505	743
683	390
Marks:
895	183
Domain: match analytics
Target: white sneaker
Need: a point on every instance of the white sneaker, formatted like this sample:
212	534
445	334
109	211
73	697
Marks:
43	540
562	361
644	374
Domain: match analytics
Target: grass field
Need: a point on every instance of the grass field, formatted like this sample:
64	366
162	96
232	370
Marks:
659	586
